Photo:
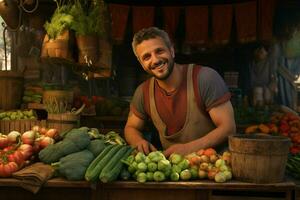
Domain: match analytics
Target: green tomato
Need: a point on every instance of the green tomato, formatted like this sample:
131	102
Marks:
163	165
156	156
149	176
152	166
159	176
139	157
220	177
228	175
176	169
219	163
174	176
141	177
132	167
2	115
185	175
184	164
194	172
142	166
175	158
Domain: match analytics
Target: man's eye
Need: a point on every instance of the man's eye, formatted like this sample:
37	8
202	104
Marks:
160	51
146	58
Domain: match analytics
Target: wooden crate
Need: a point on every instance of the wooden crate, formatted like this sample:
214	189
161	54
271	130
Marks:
19	125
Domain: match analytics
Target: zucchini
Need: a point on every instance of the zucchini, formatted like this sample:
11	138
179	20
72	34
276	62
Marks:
113	161
112	174
92	171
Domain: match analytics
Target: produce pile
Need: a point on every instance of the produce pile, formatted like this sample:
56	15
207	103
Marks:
78	152
17	115
19	149
287	125
85	154
204	164
32	95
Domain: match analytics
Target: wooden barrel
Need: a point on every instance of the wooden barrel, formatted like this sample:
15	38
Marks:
11	90
63	122
259	158
59	95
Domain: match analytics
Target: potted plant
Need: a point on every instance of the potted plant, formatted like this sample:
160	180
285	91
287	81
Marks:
88	26
57	39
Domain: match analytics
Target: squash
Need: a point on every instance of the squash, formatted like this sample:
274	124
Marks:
74	166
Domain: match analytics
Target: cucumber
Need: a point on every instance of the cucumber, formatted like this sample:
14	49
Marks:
113	161
111	174
93	170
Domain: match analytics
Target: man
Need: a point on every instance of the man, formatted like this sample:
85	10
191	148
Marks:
188	105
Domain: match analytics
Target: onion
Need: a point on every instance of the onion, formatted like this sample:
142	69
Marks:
28	137
52	132
45	141
36	128
43	130
13	136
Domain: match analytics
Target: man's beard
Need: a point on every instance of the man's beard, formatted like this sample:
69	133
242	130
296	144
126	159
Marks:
168	72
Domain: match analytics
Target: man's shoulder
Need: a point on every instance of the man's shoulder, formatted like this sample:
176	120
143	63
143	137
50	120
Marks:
143	86
206	72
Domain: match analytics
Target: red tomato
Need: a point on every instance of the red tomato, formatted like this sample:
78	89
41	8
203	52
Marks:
8	168
26	150
16	156
9	148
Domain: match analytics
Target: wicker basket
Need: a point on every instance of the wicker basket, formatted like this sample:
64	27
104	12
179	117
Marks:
59	47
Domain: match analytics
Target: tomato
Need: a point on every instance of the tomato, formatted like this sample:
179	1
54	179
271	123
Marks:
295	149
26	150
3	141
8	168
16	156
9	148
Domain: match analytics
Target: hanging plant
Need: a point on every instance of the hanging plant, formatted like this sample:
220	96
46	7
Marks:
60	20
88	19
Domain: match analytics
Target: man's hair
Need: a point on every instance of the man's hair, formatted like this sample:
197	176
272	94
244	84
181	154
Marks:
150	33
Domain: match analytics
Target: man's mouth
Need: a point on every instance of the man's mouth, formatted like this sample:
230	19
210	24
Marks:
158	66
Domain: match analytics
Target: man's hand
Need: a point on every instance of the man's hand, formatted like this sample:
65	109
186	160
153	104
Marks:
144	147
177	148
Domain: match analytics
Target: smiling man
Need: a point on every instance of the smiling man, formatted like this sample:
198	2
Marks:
188	104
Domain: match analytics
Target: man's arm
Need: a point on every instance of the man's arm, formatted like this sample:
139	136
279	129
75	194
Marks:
133	134
223	117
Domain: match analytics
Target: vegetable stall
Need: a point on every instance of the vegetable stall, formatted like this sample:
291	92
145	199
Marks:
84	163
68	76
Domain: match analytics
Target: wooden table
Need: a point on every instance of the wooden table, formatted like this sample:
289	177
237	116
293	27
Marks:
193	190
57	188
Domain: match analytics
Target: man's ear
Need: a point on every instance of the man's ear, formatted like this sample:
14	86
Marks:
172	51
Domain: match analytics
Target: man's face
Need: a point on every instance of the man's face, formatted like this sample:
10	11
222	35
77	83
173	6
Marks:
156	58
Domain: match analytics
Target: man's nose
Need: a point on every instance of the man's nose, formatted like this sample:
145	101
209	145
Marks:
155	58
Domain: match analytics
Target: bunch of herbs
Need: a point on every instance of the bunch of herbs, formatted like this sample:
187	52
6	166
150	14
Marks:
60	20
88	19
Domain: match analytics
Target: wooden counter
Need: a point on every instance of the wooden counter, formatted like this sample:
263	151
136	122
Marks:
57	188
